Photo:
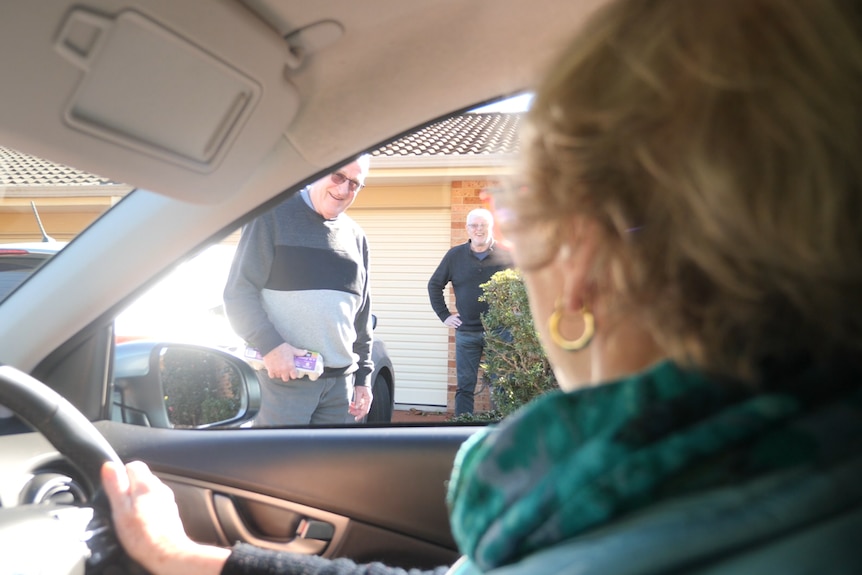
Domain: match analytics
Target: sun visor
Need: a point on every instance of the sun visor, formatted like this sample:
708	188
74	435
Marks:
176	85
175	110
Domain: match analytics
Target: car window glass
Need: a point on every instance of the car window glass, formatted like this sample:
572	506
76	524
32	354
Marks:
16	265
22	250
413	210
186	306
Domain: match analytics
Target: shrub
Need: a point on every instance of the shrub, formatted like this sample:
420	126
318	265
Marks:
515	364
478	417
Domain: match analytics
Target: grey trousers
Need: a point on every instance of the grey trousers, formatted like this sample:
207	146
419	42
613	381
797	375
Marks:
303	402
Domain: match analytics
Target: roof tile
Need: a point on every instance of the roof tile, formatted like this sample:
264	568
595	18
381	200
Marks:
465	134
21	170
469	134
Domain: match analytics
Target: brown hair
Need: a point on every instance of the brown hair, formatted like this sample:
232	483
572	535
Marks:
718	145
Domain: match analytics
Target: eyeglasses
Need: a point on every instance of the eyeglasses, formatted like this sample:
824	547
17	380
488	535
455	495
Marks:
353	185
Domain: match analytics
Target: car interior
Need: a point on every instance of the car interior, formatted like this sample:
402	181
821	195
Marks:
214	111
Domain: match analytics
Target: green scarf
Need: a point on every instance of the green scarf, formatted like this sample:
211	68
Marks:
570	462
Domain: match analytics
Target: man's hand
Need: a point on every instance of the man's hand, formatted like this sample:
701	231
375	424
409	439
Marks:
361	403
280	363
453	320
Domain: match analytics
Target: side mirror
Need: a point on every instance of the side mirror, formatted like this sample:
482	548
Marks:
182	386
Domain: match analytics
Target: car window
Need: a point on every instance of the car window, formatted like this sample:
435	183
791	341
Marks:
413	209
18	260
16	265
186	306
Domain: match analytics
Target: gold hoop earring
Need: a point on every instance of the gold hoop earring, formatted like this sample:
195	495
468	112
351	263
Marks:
571	344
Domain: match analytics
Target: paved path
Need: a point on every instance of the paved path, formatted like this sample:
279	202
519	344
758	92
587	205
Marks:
417	416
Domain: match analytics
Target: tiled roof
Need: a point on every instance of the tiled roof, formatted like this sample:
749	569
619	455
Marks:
463	135
22	170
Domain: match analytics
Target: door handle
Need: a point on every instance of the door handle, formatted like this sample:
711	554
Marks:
312	535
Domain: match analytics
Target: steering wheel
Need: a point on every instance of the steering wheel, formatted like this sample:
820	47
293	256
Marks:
76	538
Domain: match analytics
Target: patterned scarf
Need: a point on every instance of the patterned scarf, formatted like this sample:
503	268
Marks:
570	462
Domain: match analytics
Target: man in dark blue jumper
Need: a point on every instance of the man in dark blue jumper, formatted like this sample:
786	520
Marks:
468	266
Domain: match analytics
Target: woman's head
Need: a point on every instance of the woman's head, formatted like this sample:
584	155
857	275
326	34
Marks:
710	151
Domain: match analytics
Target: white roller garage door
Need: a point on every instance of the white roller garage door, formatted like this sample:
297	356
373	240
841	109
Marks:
406	246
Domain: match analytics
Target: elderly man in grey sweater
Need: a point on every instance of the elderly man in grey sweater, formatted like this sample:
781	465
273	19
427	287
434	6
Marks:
299	284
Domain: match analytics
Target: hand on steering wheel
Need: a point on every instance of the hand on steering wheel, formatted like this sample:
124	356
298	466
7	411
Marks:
80	442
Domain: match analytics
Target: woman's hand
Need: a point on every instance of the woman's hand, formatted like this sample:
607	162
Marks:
149	527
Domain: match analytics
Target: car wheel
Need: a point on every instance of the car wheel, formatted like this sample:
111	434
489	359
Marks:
381	405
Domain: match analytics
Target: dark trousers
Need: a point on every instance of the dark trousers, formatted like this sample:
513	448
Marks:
468	353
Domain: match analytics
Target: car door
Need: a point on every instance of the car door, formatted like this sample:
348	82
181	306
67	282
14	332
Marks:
368	493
